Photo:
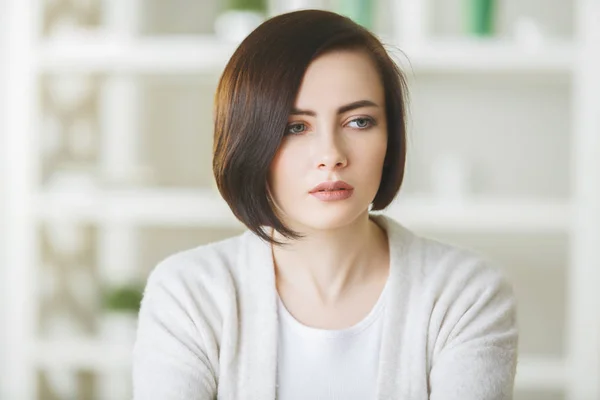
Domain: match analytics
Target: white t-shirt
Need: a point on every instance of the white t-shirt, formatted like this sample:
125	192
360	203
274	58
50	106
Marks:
329	364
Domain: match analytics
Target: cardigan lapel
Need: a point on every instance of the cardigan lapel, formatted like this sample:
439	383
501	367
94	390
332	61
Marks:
258	320
394	379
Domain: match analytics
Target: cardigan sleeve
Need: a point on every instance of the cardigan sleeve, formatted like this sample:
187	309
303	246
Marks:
169	361
479	358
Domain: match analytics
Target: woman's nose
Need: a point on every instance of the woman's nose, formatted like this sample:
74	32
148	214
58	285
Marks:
330	152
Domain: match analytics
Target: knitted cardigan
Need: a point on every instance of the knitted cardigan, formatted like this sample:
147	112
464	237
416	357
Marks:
207	325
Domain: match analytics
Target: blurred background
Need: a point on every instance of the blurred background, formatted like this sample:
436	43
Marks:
105	167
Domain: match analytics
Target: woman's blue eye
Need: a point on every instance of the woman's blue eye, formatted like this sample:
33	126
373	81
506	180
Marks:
362	123
293	128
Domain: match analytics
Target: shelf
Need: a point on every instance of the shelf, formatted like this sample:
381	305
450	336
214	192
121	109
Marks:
192	54
532	372
196	207
171	207
482	214
541	373
165	55
489	56
76	354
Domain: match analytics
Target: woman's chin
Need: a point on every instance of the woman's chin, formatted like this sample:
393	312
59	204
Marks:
330	219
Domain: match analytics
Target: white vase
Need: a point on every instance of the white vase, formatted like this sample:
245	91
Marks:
235	25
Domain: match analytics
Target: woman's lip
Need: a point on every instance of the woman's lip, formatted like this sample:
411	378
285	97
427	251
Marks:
333	195
329	186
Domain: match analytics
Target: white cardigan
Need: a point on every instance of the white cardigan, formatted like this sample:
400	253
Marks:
208	324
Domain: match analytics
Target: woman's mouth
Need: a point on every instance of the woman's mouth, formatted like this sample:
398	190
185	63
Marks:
332	191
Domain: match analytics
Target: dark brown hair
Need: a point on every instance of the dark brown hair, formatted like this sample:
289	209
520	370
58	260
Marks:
256	94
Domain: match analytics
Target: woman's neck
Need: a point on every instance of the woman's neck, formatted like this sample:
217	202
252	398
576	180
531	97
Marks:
329	263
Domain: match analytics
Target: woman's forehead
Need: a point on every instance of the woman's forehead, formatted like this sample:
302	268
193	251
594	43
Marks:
339	78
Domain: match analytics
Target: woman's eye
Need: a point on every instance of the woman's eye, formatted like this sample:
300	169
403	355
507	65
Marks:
295	129
362	123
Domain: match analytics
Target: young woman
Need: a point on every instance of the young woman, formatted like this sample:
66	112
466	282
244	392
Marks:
318	298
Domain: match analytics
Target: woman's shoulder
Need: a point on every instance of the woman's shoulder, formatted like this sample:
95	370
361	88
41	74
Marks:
449	281
209	266
442	265
460	270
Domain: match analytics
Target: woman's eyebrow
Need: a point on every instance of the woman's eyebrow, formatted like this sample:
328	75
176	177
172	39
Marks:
341	110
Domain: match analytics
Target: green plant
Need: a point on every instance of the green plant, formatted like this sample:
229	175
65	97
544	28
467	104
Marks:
254	5
123	298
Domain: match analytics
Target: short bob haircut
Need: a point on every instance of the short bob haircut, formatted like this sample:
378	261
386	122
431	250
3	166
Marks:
257	92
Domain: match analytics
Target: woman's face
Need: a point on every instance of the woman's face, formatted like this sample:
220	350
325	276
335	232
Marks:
336	132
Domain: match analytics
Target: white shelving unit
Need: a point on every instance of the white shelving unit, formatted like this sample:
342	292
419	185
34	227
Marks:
121	210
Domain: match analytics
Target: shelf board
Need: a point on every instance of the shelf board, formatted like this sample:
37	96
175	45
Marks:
198	207
170	207
533	373
191	54
164	55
